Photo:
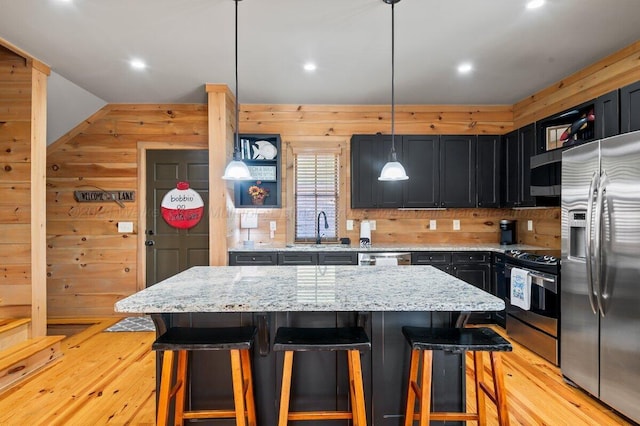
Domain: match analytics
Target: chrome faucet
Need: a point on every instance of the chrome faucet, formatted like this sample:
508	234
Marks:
326	225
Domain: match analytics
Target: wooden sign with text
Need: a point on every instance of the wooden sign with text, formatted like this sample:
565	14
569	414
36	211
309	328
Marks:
103	196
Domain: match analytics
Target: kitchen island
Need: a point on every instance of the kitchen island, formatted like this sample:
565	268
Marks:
381	299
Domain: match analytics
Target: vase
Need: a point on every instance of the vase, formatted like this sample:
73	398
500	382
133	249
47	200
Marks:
257	201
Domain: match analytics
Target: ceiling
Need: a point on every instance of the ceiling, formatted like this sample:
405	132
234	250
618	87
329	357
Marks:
515	52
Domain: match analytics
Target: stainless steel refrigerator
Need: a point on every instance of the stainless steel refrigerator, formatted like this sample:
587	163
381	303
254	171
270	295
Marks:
600	290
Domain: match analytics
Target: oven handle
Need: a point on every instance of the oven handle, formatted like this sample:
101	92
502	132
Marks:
547	283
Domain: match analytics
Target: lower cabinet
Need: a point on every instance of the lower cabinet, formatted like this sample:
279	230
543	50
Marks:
471	267
266	258
240	258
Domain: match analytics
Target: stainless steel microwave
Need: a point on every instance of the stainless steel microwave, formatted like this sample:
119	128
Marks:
546	171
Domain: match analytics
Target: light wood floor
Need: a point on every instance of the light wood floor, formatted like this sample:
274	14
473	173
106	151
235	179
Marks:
109	379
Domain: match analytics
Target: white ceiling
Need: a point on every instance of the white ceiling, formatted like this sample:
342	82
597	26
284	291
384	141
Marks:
188	43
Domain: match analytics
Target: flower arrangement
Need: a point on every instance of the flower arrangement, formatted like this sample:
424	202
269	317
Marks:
258	193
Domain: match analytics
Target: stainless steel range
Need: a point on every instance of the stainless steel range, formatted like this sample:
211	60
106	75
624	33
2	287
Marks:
536	328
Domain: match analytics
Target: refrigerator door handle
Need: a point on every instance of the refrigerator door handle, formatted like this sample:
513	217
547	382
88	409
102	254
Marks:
601	266
597	244
595	182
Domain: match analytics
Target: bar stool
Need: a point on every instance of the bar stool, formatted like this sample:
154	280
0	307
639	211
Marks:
236	340
424	341
349	339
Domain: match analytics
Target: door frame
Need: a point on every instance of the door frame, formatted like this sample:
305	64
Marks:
142	147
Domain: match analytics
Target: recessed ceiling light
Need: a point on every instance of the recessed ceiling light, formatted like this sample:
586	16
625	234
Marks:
137	64
465	68
534	4
310	66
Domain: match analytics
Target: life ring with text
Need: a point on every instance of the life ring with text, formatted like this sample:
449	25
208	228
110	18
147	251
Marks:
182	207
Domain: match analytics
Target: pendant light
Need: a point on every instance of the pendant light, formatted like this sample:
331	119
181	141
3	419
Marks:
237	169
393	170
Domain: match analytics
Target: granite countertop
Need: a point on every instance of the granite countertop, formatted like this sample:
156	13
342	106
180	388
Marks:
388	247
309	288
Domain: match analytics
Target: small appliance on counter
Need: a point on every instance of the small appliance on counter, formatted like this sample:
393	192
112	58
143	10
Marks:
508	232
365	234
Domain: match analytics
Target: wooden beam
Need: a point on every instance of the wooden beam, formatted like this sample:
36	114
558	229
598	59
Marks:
221	135
38	204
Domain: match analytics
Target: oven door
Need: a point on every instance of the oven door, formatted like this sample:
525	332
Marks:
544	311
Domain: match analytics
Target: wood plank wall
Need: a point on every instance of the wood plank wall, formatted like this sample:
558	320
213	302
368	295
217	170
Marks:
326	123
91	265
15	186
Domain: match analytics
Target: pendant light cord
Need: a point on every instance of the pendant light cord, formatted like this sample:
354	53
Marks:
393	102
237	136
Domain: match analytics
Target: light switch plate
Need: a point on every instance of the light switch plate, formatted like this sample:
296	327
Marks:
272	226
125	227
530	225
433	224
456	225
349	225
372	223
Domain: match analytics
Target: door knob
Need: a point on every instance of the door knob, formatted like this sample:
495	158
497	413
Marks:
149	243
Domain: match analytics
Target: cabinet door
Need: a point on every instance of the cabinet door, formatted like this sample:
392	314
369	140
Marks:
488	170
253	258
369	153
479	275
630	108
298	258
420	159
340	258
607	111
511	174
431	258
458	171
527	142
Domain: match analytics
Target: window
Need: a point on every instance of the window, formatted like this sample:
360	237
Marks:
316	190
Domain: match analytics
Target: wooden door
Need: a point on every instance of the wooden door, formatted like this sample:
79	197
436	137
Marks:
170	249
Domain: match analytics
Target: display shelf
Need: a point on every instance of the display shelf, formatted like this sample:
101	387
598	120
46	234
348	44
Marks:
261	153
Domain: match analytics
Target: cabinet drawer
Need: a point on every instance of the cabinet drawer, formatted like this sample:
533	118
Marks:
298	258
343	258
472	257
430	257
253	258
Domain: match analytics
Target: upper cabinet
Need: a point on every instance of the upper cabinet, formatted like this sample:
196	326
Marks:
369	153
458	171
441	170
489	170
518	147
607	115
420	159
630	108
261	154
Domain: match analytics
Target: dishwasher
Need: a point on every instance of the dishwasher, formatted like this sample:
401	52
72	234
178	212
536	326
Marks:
385	258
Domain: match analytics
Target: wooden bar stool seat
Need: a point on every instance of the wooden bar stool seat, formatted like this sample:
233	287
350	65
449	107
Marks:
182	340
353	340
424	341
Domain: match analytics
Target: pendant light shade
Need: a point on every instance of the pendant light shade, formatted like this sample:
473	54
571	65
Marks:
393	170
237	169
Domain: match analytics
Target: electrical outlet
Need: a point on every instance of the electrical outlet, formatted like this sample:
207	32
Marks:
125	227
349	225
530	225
433	224
272	226
372	223
456	225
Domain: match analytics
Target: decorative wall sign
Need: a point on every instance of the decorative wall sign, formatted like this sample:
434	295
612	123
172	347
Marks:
101	196
182	207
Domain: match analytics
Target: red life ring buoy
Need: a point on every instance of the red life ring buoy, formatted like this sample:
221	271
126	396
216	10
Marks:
182	207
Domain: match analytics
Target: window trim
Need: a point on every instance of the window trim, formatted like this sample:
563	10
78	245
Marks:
317	144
